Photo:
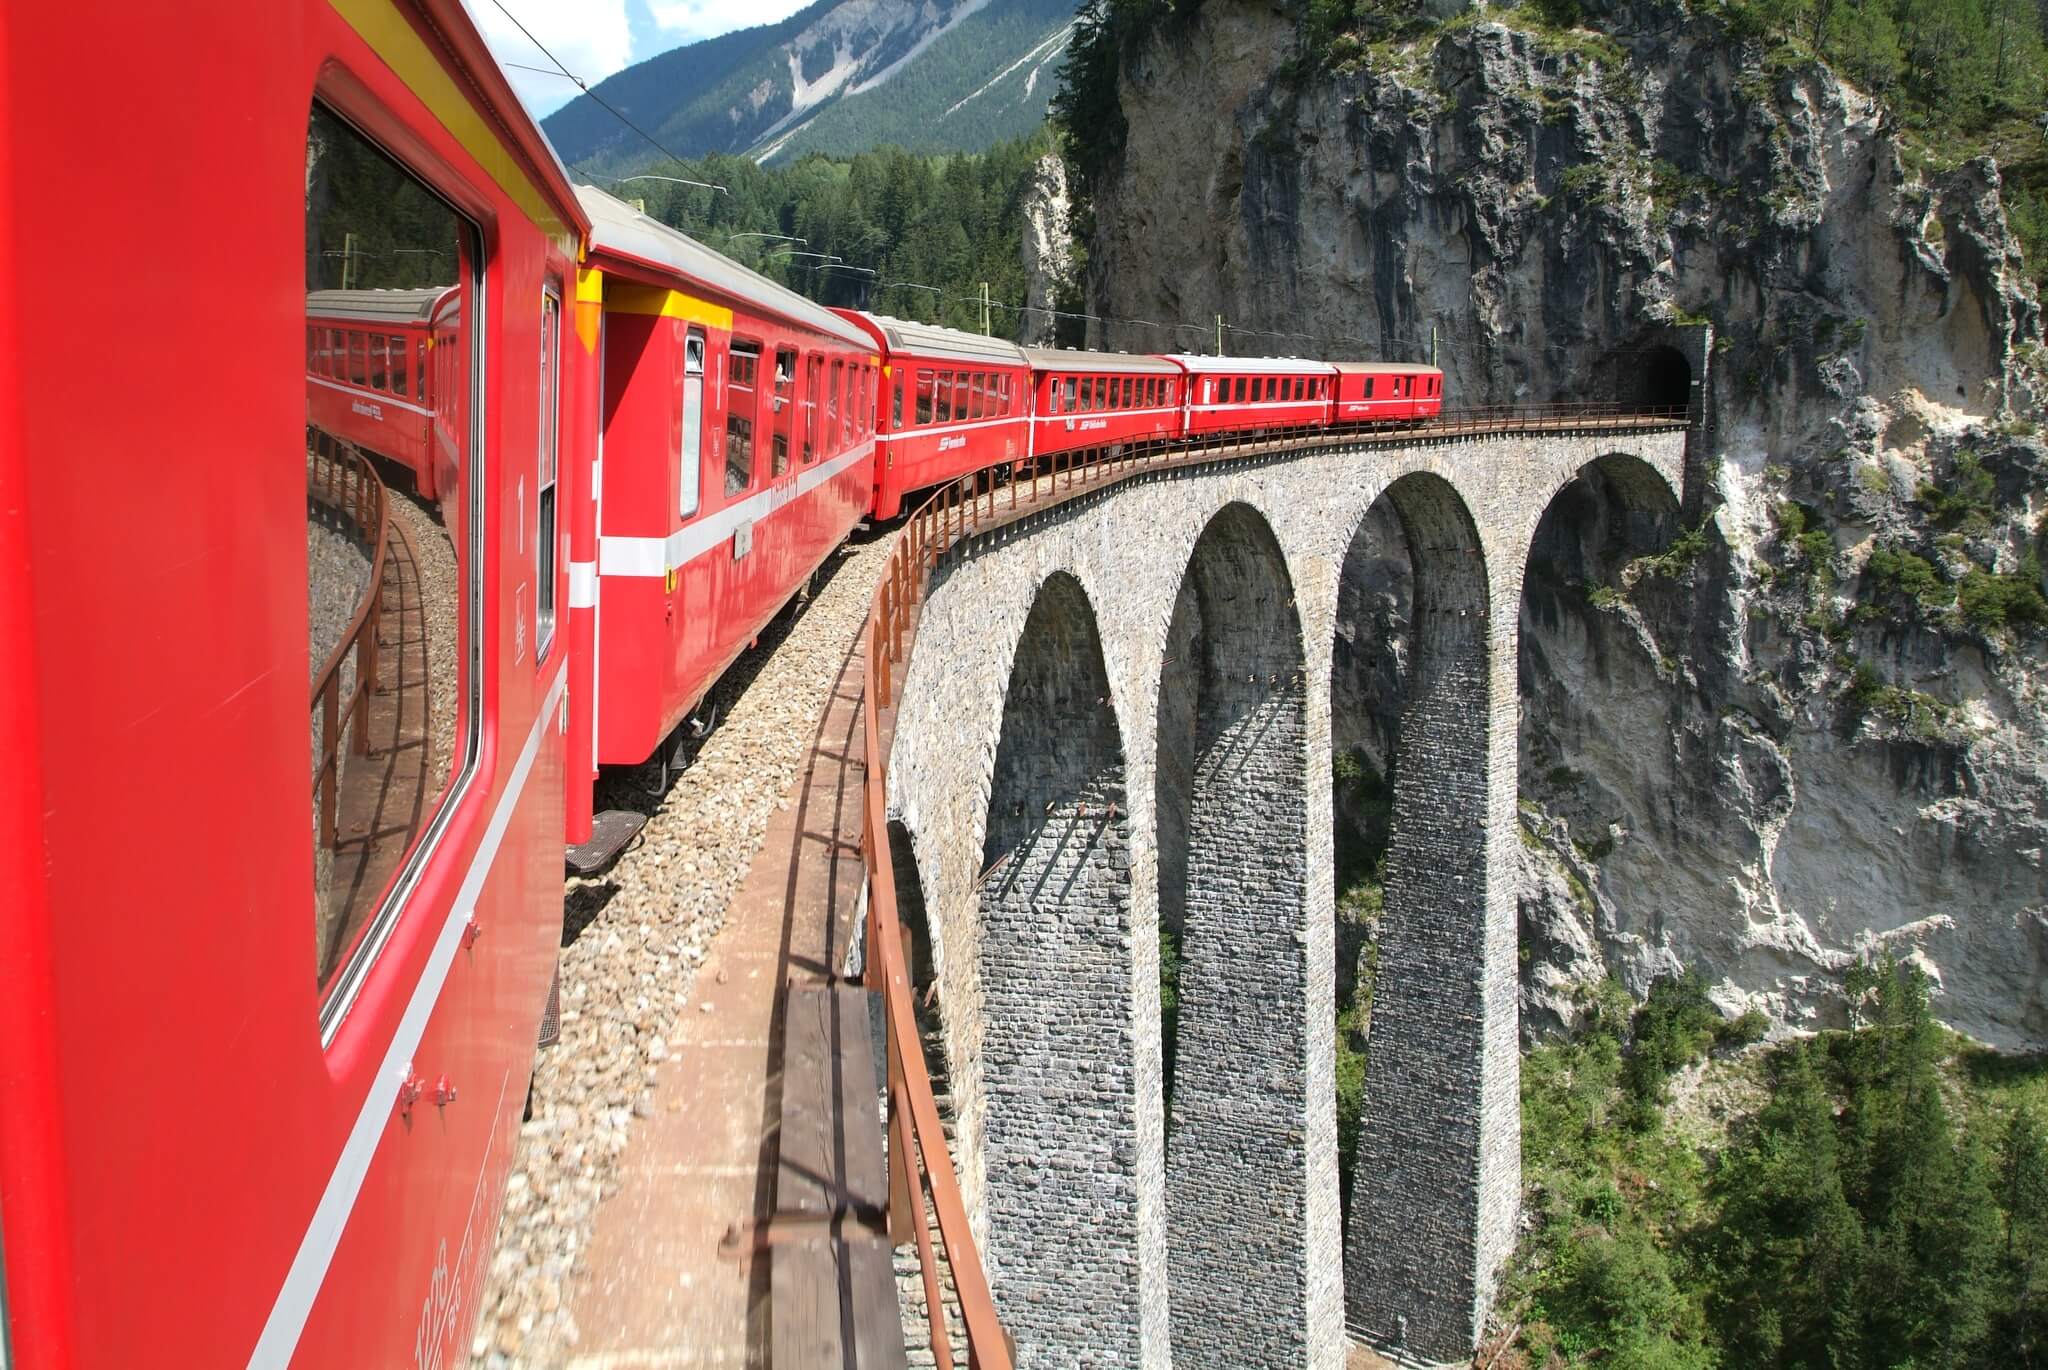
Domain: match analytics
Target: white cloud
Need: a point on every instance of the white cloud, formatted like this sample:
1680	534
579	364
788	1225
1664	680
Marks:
590	37
692	21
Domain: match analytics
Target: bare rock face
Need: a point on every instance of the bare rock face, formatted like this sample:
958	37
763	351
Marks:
1763	757
1047	247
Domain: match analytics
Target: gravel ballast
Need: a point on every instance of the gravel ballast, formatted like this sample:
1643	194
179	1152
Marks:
636	936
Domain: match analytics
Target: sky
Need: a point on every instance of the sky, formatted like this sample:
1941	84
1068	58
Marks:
594	38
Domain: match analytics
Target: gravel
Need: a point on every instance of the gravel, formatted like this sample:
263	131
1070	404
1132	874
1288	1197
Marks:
635	937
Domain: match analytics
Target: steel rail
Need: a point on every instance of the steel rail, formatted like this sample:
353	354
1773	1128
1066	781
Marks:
919	1163
340	477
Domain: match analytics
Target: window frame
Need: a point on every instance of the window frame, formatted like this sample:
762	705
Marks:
360	113
548	459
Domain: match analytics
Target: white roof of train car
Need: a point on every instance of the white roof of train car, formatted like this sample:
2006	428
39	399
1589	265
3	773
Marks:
931	340
375	306
1073	359
1385	368
618	227
1251	366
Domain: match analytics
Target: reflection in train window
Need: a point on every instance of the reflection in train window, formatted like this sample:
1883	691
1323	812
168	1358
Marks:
392	505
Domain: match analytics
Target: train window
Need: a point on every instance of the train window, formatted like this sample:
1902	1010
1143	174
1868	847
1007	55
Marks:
544	486
960	396
834	439
689	445
782	408
741	403
394	715
1368	387
896	401
925	384
977	396
811	364
739	453
946	397
1069	405
399	359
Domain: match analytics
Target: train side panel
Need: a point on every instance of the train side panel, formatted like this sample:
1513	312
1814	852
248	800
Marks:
212	1127
738	453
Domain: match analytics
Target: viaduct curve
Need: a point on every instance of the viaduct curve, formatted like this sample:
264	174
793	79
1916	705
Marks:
1119	711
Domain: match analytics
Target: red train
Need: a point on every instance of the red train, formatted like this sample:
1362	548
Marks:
557	466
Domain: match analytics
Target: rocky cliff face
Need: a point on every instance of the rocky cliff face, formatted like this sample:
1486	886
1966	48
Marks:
1047	247
1814	726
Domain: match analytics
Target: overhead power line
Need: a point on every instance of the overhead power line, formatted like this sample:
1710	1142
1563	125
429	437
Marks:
581	84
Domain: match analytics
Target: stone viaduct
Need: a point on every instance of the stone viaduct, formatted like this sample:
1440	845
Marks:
1118	712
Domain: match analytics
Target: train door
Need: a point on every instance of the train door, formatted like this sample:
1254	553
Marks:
690	444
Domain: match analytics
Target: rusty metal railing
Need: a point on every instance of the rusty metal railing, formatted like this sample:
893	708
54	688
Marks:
918	1159
341	478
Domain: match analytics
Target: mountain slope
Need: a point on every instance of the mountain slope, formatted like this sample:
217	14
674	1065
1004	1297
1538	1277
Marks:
840	76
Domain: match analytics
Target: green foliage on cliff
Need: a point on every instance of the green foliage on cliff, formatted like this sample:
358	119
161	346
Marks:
1992	601
1887	1205
946	221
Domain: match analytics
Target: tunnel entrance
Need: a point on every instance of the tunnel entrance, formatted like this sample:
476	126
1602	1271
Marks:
1663	381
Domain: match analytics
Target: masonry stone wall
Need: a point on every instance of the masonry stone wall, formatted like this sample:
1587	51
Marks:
1059	1142
1438	1157
1454	1144
1235	1143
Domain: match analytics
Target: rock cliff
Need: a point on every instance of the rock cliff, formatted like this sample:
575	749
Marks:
1814	723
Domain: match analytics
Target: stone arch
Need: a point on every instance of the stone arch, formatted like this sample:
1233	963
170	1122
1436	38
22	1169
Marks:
1435	1175
1231	809
1058	1070
1590	609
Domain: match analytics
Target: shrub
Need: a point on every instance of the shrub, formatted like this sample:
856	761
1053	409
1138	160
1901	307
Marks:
1990	601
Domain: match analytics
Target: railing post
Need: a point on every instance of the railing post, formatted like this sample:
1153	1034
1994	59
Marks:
330	758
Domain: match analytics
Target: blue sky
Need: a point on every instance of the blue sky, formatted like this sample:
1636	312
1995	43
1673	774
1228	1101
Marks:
595	38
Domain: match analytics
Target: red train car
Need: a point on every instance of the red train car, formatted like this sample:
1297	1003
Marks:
1369	392
954	402
367	374
738	450
1233	394
262	1069
1092	399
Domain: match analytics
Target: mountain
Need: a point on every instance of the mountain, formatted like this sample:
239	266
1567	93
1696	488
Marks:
838	77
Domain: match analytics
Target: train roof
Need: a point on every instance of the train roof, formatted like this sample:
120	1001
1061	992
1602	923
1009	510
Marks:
1250	366
375	306
623	231
1385	369
1074	359
944	344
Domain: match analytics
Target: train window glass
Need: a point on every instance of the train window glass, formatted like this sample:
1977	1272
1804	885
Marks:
741	402
399	361
945	411
896	401
977	396
1069	405
544	486
833	437
394	715
688	447
1368	387
782	408
925	384
739	453
811	365
960	396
